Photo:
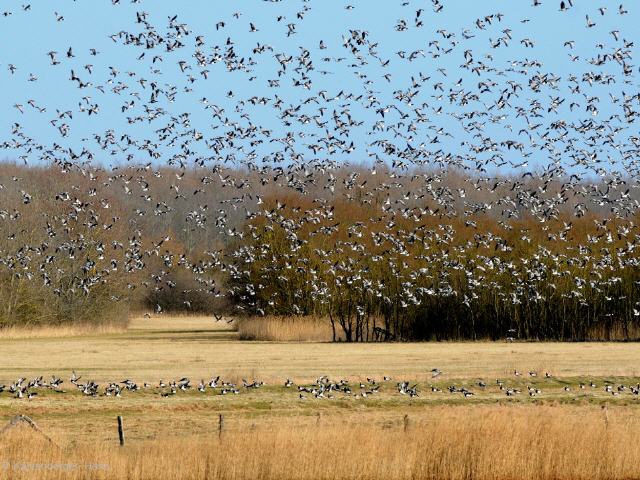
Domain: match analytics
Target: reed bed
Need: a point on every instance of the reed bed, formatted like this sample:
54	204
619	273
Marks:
286	329
489	442
60	331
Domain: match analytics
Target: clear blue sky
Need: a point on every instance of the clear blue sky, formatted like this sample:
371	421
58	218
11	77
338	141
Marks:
27	36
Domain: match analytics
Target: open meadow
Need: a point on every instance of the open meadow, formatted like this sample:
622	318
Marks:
481	429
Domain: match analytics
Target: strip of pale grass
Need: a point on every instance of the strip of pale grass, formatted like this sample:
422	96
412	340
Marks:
198	347
60	331
286	329
491	442
173	322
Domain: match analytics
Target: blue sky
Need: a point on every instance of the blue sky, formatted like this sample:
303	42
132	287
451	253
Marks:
27	36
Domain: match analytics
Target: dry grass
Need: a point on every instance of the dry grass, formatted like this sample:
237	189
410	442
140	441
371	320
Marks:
270	433
286	329
482	442
173	322
61	331
173	347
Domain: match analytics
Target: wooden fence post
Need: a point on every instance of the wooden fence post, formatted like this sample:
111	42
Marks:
220	425
120	431
406	422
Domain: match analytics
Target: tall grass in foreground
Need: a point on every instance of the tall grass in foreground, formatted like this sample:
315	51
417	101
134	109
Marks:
286	329
479	443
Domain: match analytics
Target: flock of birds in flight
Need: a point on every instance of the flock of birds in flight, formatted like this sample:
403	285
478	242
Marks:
323	387
475	99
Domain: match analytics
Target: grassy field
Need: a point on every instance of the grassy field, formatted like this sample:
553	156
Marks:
274	422
484	442
172	347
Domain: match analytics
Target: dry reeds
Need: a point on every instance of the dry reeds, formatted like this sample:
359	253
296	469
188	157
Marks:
455	443
61	331
286	329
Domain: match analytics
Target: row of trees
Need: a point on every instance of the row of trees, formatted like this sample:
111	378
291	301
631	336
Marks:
438	278
382	256
84	245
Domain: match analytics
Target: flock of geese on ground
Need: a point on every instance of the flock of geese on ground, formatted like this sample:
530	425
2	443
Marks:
322	388
284	94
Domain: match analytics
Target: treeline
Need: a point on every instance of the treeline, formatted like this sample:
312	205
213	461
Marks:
85	245
383	254
395	278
